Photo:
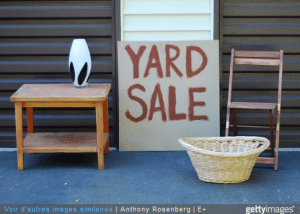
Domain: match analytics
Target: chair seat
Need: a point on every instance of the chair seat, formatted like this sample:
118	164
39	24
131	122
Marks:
252	105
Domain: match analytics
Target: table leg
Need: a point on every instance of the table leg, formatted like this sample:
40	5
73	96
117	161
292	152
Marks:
99	125
19	133
106	125
29	111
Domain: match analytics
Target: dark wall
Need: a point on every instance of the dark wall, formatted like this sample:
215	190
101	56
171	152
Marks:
35	40
266	26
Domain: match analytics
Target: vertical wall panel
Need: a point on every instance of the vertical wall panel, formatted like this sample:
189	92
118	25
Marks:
263	25
35	40
168	20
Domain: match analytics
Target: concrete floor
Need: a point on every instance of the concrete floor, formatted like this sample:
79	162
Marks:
139	178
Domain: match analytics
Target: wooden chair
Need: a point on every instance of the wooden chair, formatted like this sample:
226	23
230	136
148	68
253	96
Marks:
257	58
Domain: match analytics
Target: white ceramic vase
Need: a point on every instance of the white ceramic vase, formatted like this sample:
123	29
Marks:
80	63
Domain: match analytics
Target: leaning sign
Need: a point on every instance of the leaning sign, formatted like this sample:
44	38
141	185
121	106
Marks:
167	90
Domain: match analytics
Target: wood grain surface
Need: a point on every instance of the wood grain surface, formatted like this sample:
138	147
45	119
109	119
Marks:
61	92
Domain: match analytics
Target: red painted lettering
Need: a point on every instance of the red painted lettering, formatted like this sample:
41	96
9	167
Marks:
189	71
169	60
172	105
135	58
192	104
139	100
156	64
157	95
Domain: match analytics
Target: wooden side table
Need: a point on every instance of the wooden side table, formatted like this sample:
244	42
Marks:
62	95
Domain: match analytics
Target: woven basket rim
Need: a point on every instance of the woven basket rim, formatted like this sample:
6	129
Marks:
265	144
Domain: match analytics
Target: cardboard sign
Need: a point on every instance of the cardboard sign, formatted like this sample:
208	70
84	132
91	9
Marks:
167	90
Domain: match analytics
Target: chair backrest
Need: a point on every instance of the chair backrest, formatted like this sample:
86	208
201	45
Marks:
256	58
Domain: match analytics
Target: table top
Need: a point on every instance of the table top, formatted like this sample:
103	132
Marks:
61	93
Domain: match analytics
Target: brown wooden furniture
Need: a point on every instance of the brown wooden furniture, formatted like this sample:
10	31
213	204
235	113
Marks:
61	95
257	58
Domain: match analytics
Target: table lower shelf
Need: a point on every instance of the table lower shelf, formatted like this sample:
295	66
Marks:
62	142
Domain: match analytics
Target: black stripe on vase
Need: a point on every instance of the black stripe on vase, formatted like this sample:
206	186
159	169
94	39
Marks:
82	74
72	72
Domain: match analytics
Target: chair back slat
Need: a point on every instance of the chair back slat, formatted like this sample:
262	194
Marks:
256	58
261	62
258	54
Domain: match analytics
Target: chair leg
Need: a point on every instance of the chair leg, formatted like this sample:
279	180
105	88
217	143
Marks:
234	122
271	132
227	123
276	153
276	149
277	140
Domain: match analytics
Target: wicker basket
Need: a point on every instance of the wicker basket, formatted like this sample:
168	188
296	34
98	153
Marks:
224	159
